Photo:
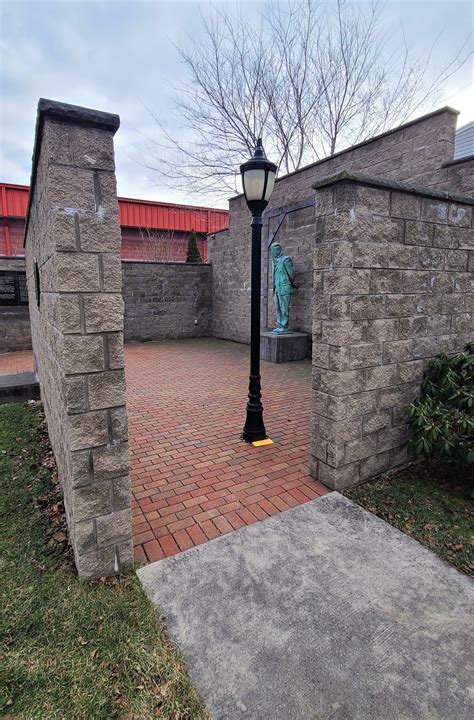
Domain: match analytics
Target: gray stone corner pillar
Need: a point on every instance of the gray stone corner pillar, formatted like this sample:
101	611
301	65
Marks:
393	287
72	247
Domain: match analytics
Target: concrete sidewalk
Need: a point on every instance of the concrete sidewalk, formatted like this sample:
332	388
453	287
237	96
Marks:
322	612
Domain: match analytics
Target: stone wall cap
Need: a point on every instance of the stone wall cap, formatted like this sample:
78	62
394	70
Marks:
384	184
458	161
77	114
182	263
72	114
392	131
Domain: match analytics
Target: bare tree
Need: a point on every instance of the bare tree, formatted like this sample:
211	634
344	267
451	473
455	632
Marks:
159	246
310	78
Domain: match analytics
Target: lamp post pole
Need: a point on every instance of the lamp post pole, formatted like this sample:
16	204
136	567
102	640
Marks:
258	178
254	428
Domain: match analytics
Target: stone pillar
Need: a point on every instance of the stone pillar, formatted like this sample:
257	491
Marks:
72	247
393	287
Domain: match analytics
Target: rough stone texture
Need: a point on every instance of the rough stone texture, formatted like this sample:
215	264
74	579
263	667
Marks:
391	290
415	152
282	348
77	327
323	612
167	300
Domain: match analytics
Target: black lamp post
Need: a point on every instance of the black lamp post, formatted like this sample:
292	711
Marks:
258	179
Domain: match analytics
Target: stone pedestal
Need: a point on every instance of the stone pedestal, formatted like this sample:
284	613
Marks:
283	348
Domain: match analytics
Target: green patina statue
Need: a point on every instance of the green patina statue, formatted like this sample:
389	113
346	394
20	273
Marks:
283	285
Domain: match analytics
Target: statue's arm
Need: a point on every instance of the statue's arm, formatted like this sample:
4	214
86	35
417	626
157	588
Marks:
290	269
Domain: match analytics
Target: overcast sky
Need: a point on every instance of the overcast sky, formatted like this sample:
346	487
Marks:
120	57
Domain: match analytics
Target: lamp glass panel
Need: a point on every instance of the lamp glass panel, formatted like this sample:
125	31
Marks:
270	185
254	181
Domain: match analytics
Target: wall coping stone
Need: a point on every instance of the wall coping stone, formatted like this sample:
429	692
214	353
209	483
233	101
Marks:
458	161
384	184
74	114
166	262
387	133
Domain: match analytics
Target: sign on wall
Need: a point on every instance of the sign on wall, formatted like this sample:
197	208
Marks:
13	289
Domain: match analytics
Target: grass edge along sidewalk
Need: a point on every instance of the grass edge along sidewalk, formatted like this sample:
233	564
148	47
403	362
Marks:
431	502
72	649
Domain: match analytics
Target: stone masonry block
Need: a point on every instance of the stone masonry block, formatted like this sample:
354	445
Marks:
76	272
111	461
113	528
84	536
358	449
83	354
374	200
98	234
63	231
112	273
93	500
336	478
70	320
368	307
343	254
336	332
374	465
103	312
380	377
122	493
92	148
405	206
340	383
370	255
75	390
88	430
80	468
73	190
376	421
119	424
419	233
114	343
347	282
106	389
101	562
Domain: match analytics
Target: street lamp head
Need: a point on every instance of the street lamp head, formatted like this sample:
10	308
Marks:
258	179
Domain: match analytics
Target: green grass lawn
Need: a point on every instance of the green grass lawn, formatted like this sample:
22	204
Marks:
71	649
431	503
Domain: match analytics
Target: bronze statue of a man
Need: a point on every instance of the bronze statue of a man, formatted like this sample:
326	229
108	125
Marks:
283	285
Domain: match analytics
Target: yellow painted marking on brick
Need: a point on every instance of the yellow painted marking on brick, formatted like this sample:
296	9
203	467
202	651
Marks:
259	443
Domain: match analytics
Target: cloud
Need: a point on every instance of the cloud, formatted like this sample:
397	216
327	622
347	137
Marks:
121	57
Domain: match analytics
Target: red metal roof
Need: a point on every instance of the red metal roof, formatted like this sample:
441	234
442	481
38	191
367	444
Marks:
133	213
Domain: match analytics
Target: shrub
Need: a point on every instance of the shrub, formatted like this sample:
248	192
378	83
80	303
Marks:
193	254
442	419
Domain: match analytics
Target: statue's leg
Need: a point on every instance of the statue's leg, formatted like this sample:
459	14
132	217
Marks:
285	311
278	313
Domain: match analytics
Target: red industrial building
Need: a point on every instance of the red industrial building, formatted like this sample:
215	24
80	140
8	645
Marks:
150	230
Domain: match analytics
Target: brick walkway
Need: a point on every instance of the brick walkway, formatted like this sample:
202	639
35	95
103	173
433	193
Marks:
193	479
16	362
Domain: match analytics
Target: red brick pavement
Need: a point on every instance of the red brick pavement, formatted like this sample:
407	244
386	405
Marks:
16	362
193	478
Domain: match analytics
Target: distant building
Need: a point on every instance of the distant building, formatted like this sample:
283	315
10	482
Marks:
150	230
464	141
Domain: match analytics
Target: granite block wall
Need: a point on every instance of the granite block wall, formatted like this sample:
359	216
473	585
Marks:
74	284
166	300
15	333
393	286
415	152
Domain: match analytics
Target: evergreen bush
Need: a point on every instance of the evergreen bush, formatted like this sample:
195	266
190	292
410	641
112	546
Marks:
193	255
442	419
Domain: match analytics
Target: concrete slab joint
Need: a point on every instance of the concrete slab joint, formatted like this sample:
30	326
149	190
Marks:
392	288
73	234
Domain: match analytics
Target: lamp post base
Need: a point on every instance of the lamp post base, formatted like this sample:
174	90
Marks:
254	429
